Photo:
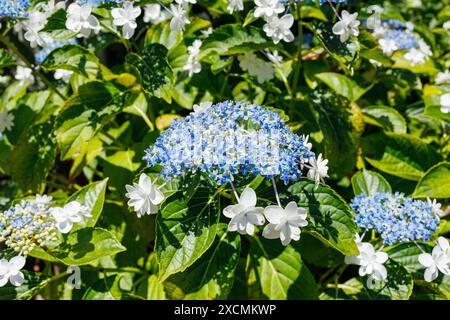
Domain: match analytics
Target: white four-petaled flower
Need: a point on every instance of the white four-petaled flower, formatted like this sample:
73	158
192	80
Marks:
145	196
245	215
388	46
437	261
154	14
348	25
80	19
125	17
202	107
284	223
24	74
10	271
268	8
67	216
370	261
318	169
179	19
279	28
193	65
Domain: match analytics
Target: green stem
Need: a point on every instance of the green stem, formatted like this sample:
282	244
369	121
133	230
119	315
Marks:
125	42
17	52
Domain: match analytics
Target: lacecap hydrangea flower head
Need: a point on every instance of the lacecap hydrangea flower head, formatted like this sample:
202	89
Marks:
397	219
229	140
14	8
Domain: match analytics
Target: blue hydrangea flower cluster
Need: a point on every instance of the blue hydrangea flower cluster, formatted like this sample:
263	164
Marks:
26	225
49	47
230	138
395	217
404	39
14	8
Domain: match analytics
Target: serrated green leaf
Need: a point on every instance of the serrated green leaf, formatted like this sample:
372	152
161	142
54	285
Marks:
369	183
387	118
435	183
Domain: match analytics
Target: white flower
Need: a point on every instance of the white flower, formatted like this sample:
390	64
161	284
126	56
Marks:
36	21
185	1
153	14
71	213
379	32
145	196
24	74
81	20
415	57
388	46
179	19
237	5
267	8
256	67
348	25
435	207
10	270
192	64
446	25
63	74
275	58
207	32
4	79
445	103
44	199
370	262
244	215
318	169
202	107
284	223
6	121
437	261
279	28
443	77
126	18
424	48
305	142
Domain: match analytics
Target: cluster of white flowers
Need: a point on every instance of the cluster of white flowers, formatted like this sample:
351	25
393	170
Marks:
193	65
259	68
276	27
145	196
284	223
371	262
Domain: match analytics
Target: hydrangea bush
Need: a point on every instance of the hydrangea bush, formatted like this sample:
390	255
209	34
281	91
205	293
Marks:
230	149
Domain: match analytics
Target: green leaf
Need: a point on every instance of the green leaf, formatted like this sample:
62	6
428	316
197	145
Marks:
281	273
342	85
56	26
154	69
387	118
78	124
33	157
92	197
369	183
407	255
330	218
152	289
32	285
104	289
163	34
85	246
72	57
337	119
402	155
211	276
186	228
435	183
397	286
6	59
233	39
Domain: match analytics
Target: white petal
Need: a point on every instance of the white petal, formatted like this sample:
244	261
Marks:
381	257
273	214
426	260
248	197
18	262
430	274
64	226
270	232
17	280
156	196
3	280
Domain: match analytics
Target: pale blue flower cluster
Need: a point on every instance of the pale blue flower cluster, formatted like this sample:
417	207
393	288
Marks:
230	138
14	8
395	217
404	39
49	47
26	225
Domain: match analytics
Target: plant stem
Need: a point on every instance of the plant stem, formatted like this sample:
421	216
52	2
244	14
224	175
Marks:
17	52
277	196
